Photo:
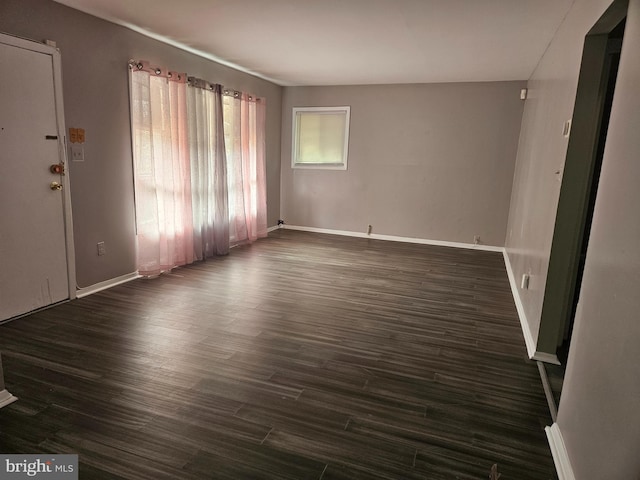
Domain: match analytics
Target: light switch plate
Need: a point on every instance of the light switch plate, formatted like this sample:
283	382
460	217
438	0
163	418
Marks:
77	153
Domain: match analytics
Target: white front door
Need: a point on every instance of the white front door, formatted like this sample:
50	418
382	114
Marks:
34	265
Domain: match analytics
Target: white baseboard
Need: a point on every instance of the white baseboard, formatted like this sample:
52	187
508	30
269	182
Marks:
548	393
524	324
6	398
98	287
559	453
393	238
545	357
271	229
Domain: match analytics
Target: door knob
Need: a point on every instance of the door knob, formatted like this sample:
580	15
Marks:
55	186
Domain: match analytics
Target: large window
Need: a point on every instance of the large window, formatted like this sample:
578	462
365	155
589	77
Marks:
199	168
320	137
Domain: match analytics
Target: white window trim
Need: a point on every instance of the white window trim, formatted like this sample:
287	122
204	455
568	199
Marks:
346	110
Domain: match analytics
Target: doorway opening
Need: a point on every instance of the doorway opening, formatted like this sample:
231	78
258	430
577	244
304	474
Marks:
578	193
614	47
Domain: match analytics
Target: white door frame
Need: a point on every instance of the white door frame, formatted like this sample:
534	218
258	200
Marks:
62	145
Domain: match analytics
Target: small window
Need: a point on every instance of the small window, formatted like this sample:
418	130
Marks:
320	137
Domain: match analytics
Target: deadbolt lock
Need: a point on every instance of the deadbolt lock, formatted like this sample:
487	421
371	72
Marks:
57	169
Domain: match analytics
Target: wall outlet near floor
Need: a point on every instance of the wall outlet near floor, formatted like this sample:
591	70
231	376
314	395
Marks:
476	239
369	228
524	284
101	249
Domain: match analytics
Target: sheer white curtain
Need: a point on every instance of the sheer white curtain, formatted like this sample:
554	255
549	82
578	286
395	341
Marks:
245	147
209	172
199	168
161	171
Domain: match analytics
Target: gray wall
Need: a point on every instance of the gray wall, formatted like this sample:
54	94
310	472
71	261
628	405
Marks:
541	153
94	57
599	414
425	161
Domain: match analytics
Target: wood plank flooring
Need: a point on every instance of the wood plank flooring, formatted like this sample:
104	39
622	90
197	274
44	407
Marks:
303	356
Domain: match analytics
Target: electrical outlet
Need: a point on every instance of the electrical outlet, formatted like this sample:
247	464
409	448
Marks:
101	249
524	284
369	228
476	239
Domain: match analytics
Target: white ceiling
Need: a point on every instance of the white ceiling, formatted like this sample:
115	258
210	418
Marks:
350	42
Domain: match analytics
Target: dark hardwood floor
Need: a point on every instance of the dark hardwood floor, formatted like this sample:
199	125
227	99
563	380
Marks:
303	356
